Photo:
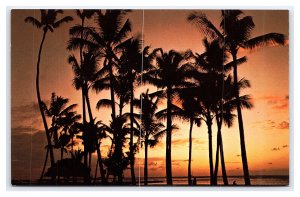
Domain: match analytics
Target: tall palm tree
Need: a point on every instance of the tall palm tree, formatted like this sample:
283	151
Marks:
85	78
109	33
235	34
151	128
224	114
212	62
169	75
78	31
131	65
190	110
47	22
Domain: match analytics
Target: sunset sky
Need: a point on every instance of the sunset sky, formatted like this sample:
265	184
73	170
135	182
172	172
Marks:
266	125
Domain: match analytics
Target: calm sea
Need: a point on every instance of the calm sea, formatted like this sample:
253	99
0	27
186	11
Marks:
239	180
179	181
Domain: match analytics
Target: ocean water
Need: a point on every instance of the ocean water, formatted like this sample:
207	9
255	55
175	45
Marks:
239	180
177	181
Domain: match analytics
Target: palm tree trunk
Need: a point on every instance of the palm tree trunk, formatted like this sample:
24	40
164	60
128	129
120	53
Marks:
40	101
90	159
131	138
100	163
190	153
83	99
210	150
146	163
168	139
96	170
224	174
84	130
45	163
61	164
240	120
215	178
112	93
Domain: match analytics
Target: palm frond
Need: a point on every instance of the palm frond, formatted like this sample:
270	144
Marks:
33	21
265	40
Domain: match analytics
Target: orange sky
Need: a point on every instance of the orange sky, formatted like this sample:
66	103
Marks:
266	126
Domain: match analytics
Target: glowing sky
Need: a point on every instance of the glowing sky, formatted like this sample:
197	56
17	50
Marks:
266	126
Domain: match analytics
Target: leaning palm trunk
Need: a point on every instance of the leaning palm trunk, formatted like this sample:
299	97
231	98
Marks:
220	153
45	163
215	177
40	101
190	152
168	139
210	150
240	120
133	181
224	174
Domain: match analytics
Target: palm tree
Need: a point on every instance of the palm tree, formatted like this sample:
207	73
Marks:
86	76
190	110
117	161
151	128
224	114
106	38
169	75
212	62
74	31
62	117
131	65
236	34
109	33
47	22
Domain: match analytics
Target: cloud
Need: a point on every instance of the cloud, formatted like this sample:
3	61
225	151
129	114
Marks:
285	146
276	102
185	141
283	125
271	124
19	130
270	163
27	153
275	149
26	115
238	155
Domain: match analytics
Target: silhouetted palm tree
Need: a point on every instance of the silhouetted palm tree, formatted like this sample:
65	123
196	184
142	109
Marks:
47	22
130	66
212	62
78	31
224	114
151	128
105	38
117	161
189	110
169	75
236	34
62	118
85	78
